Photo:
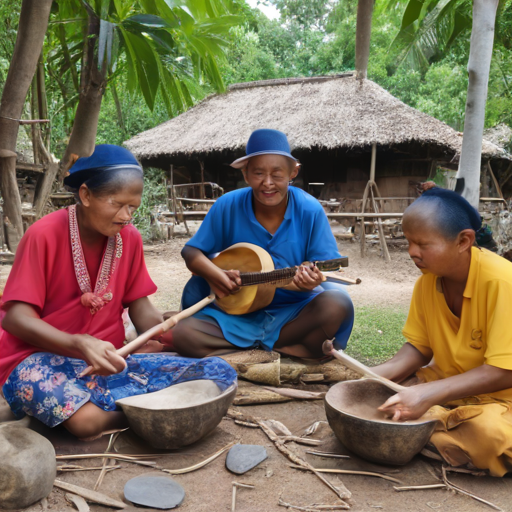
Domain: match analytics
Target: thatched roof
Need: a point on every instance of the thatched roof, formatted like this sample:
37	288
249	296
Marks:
322	112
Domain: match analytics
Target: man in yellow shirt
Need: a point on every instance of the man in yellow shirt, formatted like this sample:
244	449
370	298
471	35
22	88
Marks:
459	336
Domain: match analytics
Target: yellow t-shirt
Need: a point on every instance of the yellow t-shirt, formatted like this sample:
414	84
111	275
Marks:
482	334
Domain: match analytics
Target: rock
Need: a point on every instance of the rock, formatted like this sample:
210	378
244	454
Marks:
243	457
28	467
154	491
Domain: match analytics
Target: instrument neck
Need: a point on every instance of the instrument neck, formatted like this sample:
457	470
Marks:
254	278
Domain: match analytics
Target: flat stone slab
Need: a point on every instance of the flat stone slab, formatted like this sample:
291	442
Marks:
243	457
159	492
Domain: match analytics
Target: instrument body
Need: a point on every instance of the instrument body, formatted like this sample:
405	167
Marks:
259	277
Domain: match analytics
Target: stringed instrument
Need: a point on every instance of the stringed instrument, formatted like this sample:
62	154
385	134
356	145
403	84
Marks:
259	277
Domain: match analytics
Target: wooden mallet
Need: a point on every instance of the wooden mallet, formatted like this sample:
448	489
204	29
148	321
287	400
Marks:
353	364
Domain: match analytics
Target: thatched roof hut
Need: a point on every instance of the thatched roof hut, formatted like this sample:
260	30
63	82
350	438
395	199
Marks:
331	123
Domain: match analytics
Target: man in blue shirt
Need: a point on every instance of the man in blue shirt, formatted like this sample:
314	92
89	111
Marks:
292	227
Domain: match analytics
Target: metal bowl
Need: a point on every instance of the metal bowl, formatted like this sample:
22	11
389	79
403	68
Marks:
351	409
167	426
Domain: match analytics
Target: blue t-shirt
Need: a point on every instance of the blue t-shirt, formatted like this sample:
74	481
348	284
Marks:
304	235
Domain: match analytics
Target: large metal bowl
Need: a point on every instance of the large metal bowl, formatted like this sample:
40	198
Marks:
351	409
170	427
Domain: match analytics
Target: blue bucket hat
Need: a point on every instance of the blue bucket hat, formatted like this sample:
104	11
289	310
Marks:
264	142
106	157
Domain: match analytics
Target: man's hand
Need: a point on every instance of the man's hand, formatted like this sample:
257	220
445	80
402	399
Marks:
99	354
307	278
409	404
225	282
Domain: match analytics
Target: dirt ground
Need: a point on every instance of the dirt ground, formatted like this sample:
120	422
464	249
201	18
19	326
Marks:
210	489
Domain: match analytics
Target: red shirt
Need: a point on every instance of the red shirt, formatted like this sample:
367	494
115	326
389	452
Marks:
43	275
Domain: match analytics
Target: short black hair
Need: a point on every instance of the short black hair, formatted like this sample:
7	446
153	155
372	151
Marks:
449	211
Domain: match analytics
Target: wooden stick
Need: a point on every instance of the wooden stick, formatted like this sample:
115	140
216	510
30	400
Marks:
235	486
200	464
71	467
101	476
350	472
328	455
353	364
337	276
313	508
419	487
118	456
460	490
157	330
232	413
382	237
96	497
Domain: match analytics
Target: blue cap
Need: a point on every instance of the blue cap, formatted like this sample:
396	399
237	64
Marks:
264	142
106	157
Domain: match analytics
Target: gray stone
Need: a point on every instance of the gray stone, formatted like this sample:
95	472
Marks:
243	457
27	467
154	491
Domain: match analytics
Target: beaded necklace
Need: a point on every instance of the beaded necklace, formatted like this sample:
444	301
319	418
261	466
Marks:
101	295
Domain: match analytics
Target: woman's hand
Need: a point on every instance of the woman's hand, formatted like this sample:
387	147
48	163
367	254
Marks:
307	278
225	282
99	354
409	404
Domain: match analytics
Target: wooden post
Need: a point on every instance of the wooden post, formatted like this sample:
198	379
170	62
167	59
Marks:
495	181
172	202
201	163
382	237
362	230
372	165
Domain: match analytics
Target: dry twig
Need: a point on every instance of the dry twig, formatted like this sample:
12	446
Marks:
328	455
198	465
460	490
103	472
350	472
118	456
280	445
313	428
313	508
235	487
73	467
419	487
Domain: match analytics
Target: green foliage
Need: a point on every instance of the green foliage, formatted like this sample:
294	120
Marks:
9	17
153	194
377	334
166	52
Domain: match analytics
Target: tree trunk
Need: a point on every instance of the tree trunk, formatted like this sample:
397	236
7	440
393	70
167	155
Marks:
480	53
92	88
29	41
363	32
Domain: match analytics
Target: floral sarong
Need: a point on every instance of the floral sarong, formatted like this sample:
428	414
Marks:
47	387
